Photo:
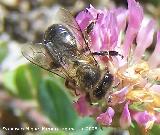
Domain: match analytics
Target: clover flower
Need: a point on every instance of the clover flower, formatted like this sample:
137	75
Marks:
136	96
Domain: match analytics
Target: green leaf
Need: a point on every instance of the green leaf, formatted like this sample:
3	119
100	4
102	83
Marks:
104	131
155	130
137	106
23	81
155	2
134	129
9	81
36	75
88	126
3	50
83	124
55	104
23	85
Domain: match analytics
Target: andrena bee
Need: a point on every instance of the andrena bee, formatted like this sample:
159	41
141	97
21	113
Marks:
65	52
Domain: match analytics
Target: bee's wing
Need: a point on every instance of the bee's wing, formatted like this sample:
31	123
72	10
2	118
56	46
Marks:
37	54
65	17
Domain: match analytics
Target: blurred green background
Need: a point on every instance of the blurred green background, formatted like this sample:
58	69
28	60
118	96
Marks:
31	98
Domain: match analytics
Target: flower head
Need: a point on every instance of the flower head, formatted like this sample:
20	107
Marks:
135	94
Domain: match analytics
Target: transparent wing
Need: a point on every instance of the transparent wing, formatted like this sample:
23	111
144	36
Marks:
38	55
65	17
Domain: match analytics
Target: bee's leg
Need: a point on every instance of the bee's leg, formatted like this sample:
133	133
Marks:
71	85
115	86
91	25
88	98
88	30
86	33
109	53
84	50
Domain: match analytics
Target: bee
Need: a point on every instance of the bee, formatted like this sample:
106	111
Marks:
65	51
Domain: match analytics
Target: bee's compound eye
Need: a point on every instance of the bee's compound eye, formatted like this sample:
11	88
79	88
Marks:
60	36
88	76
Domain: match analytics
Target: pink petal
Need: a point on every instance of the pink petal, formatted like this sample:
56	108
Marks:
135	17
96	42
86	16
125	119
144	40
154	60
106	118
101	17
82	107
135	14
109	33
83	19
119	96
155	88
144	118
93	11
129	37
121	15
